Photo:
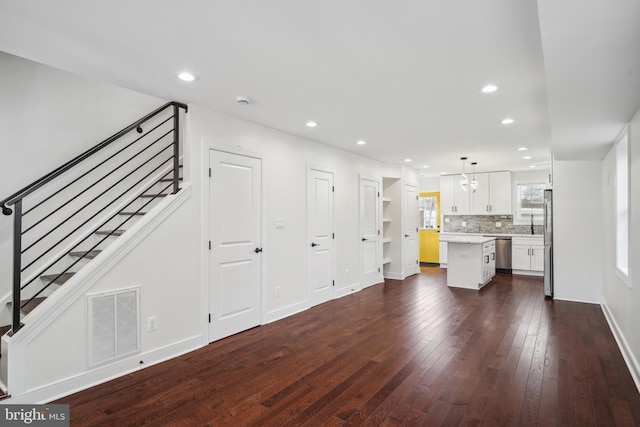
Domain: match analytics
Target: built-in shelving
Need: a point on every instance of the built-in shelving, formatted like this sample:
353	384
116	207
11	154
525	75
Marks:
391	211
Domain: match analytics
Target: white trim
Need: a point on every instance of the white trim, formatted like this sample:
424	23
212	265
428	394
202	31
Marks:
287	311
392	275
91	378
627	354
348	290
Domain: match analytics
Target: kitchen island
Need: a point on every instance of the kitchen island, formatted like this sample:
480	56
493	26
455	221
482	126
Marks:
471	261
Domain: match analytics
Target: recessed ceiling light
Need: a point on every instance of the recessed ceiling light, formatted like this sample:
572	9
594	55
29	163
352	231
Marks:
522	149
490	88
507	121
407	160
312	124
185	76
443	173
526	157
361	142
532	166
425	166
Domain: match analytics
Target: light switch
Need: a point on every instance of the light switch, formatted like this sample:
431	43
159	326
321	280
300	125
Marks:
498	224
464	224
279	224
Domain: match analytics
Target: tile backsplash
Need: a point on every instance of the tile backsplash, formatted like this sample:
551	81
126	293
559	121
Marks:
486	224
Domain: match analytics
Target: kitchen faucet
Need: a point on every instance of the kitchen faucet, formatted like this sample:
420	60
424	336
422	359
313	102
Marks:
531	223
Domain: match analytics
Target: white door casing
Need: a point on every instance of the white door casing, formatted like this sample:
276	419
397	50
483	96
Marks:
411	248
235	282
371	257
320	235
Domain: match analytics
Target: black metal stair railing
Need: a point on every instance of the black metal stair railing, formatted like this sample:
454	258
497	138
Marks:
69	210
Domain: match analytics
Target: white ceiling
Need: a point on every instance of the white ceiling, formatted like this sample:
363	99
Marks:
404	75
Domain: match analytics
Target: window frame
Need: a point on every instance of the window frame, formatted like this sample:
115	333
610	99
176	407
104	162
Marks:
537	220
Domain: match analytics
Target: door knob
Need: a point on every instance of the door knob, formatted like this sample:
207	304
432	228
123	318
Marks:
363	239
313	245
406	235
257	250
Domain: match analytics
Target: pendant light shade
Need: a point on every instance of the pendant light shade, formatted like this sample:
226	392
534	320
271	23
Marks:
464	182
474	183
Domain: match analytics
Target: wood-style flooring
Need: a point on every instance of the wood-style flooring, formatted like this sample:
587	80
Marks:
411	352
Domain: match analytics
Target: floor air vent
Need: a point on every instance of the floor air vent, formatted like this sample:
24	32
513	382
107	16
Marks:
114	325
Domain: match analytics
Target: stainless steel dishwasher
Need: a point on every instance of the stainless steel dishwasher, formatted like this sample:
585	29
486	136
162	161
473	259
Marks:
503	254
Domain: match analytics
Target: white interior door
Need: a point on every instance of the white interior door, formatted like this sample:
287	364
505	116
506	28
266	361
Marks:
410	226
235	235
320	223
370	232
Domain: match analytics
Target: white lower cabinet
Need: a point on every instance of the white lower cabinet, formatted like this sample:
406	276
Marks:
443	254
489	260
527	255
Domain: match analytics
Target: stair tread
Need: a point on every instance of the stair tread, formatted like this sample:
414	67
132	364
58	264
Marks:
4	330
86	254
131	213
169	179
27	307
60	280
110	232
148	196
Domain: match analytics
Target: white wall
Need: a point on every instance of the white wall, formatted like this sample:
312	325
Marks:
621	303
577	231
426	185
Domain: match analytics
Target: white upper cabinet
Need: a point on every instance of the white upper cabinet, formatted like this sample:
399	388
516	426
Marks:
453	199
493	196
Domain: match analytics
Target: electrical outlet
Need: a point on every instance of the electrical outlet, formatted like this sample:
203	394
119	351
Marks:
277	291
152	323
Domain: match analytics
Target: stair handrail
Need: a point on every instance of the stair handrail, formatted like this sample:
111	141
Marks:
18	195
16	199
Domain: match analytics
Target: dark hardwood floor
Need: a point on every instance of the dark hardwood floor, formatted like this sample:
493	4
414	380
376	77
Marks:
411	352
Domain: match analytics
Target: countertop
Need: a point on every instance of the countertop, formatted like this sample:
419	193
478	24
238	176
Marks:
444	235
465	238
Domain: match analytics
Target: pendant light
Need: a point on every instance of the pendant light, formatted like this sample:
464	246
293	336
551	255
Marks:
463	179
474	183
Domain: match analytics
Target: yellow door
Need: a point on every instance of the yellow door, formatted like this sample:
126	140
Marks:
429	208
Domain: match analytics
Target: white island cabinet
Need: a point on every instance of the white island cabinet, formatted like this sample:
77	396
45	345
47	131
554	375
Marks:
471	261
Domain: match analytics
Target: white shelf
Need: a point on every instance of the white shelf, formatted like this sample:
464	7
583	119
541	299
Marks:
386	240
386	261
386	219
386	199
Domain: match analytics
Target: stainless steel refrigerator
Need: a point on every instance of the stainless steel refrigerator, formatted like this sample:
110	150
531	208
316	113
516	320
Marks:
548	243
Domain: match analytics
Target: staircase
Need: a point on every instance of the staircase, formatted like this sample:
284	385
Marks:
64	221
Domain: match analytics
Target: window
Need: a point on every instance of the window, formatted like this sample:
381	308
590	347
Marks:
428	208
530	202
622	206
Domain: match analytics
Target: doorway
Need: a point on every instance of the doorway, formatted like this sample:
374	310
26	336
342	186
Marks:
429	214
370	232
320	222
235	259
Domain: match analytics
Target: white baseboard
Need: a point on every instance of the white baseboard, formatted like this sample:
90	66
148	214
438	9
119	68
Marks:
93	377
393	275
348	290
627	354
287	311
527	273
